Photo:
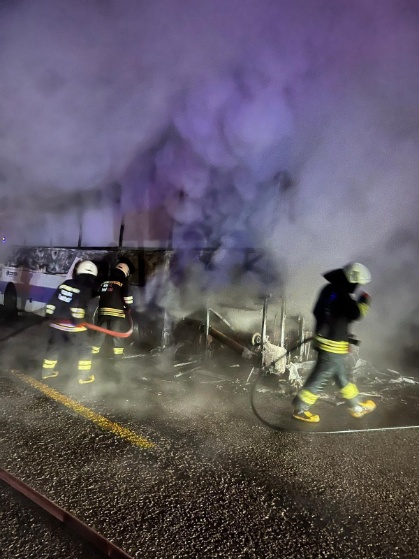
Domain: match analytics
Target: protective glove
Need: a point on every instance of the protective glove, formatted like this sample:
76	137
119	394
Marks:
364	298
353	340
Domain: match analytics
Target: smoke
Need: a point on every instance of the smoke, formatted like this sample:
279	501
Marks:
201	112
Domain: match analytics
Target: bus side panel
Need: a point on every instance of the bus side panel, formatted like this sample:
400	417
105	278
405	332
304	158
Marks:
33	289
8	275
3	285
41	288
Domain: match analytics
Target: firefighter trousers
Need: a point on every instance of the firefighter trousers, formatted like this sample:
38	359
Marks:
78	342
329	366
116	324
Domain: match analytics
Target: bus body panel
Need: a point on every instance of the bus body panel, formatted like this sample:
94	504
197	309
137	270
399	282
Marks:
34	273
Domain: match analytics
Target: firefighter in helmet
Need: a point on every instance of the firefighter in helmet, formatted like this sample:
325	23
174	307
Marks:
115	299
67	311
335	309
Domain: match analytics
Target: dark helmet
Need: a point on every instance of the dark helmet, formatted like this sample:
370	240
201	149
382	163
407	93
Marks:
127	262
124	268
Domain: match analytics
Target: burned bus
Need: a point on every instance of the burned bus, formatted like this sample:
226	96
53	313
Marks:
196	299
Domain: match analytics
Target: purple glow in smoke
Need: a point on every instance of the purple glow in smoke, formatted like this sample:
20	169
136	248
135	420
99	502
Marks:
195	107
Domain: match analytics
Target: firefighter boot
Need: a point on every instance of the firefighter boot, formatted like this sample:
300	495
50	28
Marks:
87	379
48	369
304	415
49	373
362	408
84	371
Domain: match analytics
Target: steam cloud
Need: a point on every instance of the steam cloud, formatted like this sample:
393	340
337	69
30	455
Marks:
195	111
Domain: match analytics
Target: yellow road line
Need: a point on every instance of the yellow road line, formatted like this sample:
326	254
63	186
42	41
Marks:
99	420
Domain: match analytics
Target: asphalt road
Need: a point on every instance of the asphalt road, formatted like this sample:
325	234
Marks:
27	531
170	462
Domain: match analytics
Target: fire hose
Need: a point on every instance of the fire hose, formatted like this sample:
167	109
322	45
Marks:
266	370
112	333
88	325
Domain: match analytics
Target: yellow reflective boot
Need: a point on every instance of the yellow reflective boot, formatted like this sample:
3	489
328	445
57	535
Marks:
306	416
362	408
87	380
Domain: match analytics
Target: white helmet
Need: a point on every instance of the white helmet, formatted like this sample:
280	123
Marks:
86	267
357	273
124	268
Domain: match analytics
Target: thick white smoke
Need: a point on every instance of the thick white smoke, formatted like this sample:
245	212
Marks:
196	108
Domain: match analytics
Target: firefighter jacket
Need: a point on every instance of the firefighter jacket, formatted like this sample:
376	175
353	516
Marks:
67	307
335	309
115	296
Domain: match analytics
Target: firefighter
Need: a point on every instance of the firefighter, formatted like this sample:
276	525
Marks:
115	299
335	309
67	310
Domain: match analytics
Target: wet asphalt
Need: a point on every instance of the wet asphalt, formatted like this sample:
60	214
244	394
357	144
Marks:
217	483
